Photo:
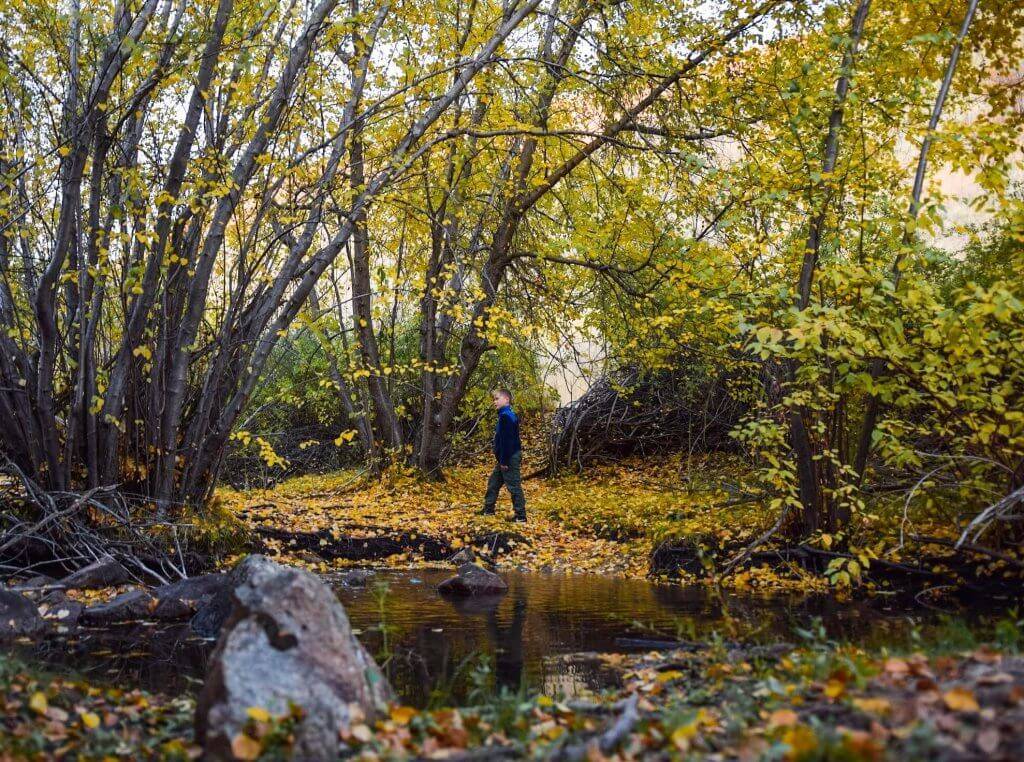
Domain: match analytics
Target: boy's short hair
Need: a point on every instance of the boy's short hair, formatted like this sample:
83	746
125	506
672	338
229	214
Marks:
502	391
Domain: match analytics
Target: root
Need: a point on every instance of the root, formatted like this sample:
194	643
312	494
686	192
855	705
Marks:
60	532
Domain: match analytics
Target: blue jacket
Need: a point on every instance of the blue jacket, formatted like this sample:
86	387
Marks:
506	435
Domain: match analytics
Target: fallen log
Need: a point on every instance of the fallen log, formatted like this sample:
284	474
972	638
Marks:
361	547
705	556
367	542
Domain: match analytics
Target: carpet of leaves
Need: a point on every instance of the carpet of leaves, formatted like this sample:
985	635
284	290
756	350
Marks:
820	701
605	521
49	717
759	703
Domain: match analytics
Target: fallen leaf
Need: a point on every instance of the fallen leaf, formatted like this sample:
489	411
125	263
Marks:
988	740
801	740
896	666
244	747
258	713
38	702
362	733
835	688
782	718
960	700
682	736
873	705
402	715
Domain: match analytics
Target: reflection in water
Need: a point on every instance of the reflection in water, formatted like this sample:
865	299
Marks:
527	633
434	645
508	642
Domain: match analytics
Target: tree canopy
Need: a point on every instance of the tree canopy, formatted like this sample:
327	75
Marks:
423	198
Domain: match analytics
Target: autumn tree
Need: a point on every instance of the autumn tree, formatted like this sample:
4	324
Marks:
501	215
171	180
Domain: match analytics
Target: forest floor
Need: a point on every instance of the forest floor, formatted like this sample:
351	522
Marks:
960	695
815	701
607	521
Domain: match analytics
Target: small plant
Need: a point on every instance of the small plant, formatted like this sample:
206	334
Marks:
500	706
1008	633
380	589
953	634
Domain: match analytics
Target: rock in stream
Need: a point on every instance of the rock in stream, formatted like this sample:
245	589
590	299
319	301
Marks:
287	641
19	617
473	580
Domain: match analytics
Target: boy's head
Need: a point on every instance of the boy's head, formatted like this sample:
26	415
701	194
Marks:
500	398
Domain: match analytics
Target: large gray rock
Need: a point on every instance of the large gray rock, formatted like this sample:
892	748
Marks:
473	580
287	641
182	599
213	612
126	607
105	572
19	617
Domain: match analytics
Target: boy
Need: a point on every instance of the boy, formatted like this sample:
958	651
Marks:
508	454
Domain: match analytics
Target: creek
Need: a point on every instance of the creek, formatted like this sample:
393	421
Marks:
541	635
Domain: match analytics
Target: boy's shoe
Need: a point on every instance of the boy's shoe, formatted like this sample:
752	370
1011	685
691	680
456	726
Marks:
486	512
521	519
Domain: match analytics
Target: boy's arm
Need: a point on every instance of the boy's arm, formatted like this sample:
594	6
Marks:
502	450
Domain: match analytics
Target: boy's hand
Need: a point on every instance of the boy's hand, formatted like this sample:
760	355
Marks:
504	468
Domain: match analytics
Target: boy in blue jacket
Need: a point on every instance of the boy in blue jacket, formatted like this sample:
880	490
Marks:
508	454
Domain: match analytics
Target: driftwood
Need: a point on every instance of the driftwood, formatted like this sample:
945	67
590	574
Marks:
1007	510
633	413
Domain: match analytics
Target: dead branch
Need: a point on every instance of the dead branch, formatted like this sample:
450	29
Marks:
64	531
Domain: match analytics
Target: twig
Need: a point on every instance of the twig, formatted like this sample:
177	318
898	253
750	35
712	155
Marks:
747	551
970	547
607	742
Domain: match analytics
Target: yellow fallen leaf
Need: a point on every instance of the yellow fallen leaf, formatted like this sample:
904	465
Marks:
90	720
554	731
38	702
801	740
668	675
402	715
835	688
244	747
682	736
960	700
258	713
874	705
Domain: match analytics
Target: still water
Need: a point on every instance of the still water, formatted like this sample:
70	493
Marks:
538	633
535	636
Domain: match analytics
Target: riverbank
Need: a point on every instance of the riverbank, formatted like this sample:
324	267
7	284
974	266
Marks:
814	700
607	521
672	517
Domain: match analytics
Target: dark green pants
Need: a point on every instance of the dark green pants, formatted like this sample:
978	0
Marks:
512	480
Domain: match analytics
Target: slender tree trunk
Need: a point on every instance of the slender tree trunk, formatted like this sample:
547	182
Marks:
811	481
362	308
877	365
